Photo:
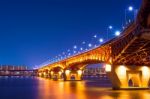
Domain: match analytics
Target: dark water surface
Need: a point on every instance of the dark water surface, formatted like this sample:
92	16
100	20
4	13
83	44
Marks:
40	88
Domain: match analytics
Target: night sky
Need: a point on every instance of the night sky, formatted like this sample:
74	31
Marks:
32	32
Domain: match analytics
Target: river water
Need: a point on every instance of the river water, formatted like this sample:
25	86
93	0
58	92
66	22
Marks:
40	88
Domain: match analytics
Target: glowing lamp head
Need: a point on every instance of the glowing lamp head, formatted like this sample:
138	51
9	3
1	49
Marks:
81	49
117	33
95	36
110	27
90	45
101	40
130	8
75	47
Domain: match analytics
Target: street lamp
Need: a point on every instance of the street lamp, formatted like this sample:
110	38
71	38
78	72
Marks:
101	40
95	36
74	52
109	28
117	33
75	47
81	48
130	9
90	45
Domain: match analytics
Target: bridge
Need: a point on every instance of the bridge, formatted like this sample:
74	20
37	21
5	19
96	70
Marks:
126	58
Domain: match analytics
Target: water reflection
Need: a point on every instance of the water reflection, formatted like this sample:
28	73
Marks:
84	90
40	88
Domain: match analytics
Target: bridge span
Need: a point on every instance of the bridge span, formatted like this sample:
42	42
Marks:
126	58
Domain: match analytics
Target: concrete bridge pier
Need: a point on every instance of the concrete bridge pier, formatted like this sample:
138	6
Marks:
56	75
43	74
40	74
73	75
48	74
129	77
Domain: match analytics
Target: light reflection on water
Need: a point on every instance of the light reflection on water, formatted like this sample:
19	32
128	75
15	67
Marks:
40	88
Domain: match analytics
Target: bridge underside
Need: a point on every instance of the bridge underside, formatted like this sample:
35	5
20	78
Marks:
137	53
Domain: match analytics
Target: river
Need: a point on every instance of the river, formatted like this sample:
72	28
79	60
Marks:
40	88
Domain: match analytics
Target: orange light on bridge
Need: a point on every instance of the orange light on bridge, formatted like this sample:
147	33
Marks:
122	70
44	73
145	71
79	72
60	73
146	75
108	68
52	72
67	72
40	74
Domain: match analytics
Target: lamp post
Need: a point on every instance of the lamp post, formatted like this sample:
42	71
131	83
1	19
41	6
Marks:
130	9
108	28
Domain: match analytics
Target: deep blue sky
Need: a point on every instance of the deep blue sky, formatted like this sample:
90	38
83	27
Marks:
33	31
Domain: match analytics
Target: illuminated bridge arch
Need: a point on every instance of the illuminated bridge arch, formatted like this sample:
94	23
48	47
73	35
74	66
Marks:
57	65
99	55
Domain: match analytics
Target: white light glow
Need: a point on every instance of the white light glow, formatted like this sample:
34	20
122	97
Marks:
110	27
130	8
117	33
60	73
95	36
75	47
90	45
74	52
101	40
145	70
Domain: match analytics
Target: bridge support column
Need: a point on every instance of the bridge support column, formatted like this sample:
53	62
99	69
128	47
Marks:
128	77
75	75
56	75
45	74
40	74
49	74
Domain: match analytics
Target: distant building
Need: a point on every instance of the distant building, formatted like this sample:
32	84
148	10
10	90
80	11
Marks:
10	70
95	69
11	67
